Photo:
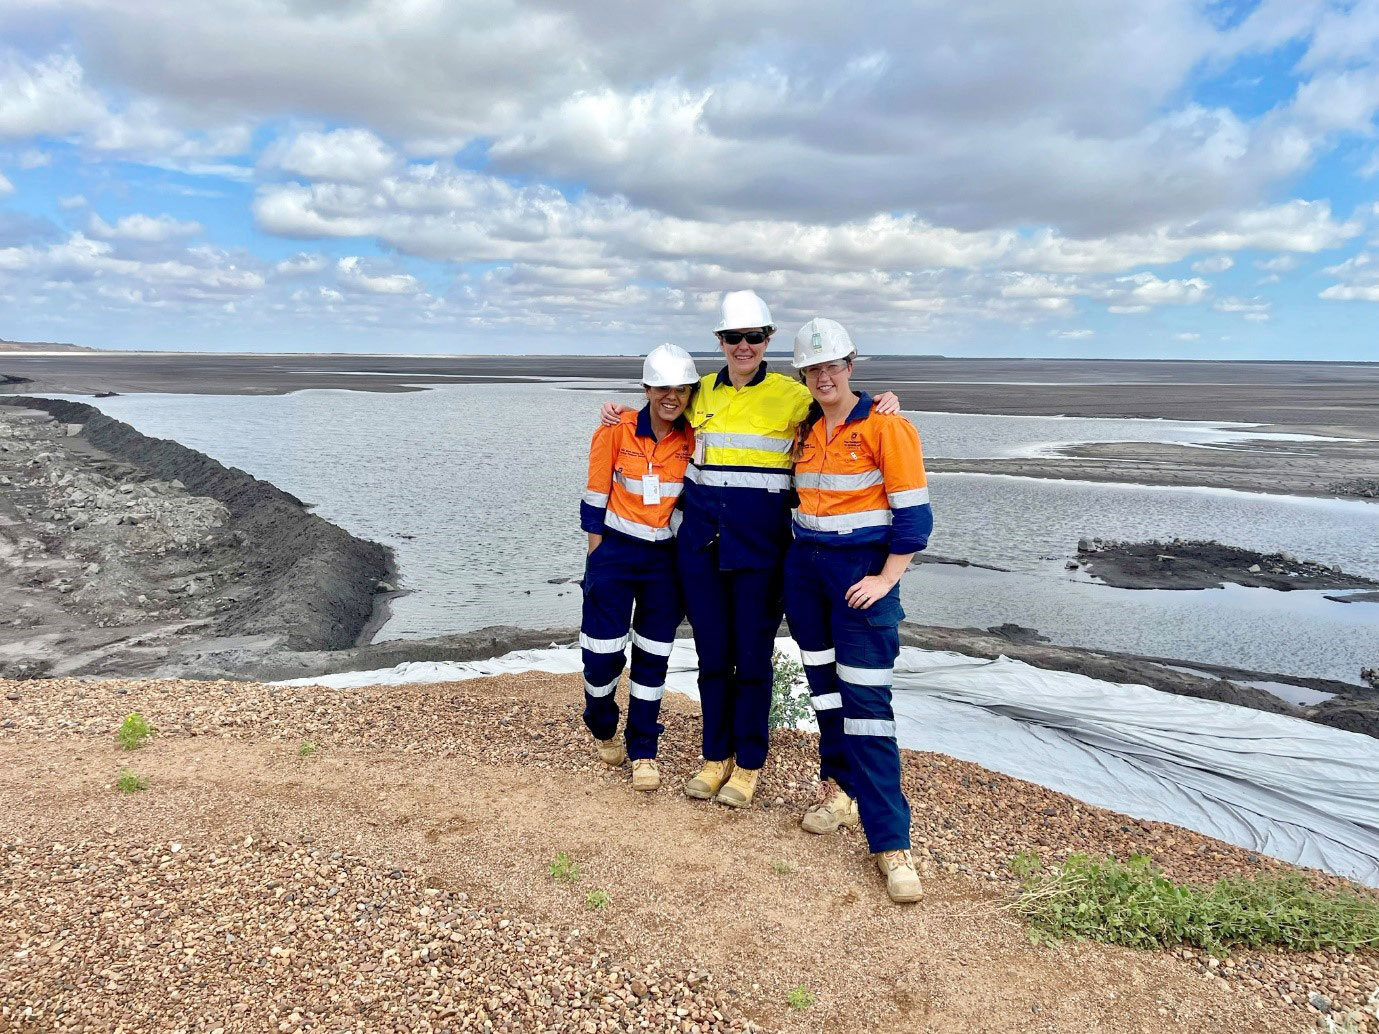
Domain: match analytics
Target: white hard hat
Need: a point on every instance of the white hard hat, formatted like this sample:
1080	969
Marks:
820	341
743	309
668	366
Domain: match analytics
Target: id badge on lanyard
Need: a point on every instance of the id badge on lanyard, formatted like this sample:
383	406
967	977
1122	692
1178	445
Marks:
651	489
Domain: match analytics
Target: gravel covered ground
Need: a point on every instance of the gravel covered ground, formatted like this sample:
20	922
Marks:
395	877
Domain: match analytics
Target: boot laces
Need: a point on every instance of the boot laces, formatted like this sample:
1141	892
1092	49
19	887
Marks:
824	793
896	859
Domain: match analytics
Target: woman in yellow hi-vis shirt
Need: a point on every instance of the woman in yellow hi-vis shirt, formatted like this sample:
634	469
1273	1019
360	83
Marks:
731	544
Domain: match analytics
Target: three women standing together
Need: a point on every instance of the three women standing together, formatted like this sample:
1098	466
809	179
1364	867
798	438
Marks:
689	509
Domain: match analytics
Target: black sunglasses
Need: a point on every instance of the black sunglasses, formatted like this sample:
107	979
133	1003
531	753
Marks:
732	337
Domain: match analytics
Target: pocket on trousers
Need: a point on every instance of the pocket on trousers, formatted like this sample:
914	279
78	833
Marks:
885	612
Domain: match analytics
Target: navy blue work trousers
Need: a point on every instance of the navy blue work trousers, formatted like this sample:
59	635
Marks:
631	595
849	657
735	615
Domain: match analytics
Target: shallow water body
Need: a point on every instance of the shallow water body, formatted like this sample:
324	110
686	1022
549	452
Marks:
477	486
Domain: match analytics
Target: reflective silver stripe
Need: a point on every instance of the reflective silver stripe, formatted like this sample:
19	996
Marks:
746	441
868	727
598	499
651	645
813	658
646	692
738	479
669	489
914	497
603	645
827	701
840	482
639	531
676	517
599	691
865	676
844	521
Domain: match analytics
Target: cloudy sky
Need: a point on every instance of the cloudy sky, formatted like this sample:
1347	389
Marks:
1157	178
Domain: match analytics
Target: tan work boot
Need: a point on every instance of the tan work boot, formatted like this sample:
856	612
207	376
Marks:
612	752
739	789
710	779
902	881
831	808
645	774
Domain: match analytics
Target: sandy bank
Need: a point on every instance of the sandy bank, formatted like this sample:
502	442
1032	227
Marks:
399	874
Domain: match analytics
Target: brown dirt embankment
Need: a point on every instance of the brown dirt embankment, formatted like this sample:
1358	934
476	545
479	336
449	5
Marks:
397	879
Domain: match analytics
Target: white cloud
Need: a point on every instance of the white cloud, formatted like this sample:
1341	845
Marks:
1359	279
48	97
146	228
1249	306
196	276
1186	335
342	155
352	275
303	263
71	201
1213	264
1074	335
33	158
1128	310
1278	264
6	187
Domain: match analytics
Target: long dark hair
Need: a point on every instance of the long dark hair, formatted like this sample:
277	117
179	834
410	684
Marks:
804	427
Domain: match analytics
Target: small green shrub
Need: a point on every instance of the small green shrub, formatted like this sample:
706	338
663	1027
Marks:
597	900
130	782
1133	903
788	708
134	731
564	869
800	998
783	866
306	749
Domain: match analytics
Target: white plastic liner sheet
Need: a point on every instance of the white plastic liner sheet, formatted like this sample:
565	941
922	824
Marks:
1300	792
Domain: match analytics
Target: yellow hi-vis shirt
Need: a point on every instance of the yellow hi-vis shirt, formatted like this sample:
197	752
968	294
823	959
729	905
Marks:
738	487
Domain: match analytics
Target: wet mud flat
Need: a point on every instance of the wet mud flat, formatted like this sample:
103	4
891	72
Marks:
1334	400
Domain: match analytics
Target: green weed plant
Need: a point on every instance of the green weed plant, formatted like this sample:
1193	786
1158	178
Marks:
597	900
800	998
134	732
130	782
564	869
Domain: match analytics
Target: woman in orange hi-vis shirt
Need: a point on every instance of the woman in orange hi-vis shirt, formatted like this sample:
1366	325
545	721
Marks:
863	514
631	584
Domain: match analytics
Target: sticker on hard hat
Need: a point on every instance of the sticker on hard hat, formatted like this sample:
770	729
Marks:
817	342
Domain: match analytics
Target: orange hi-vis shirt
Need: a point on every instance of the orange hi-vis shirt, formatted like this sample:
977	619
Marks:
634	480
865	486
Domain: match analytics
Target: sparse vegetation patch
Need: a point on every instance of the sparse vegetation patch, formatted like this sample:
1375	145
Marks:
564	869
131	782
1133	903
